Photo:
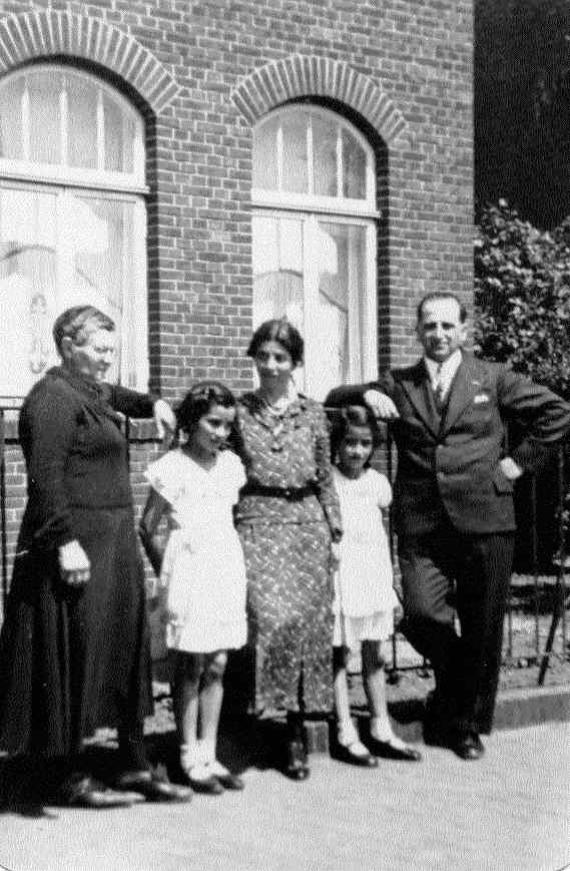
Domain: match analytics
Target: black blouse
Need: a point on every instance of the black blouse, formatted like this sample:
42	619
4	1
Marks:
75	452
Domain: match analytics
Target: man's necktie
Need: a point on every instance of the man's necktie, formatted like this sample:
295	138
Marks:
439	391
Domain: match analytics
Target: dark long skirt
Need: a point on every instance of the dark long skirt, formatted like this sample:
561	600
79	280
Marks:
73	660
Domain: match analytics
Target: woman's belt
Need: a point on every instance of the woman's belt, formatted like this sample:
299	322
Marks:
292	494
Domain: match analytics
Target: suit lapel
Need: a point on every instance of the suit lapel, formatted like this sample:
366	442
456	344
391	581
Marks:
464	387
417	389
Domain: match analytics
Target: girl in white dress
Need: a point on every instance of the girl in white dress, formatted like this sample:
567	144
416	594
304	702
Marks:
201	571
364	596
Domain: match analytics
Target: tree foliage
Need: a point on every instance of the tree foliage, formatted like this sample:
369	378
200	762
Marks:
522	296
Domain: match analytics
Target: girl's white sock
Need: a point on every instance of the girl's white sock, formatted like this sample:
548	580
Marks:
347	733
207	751
189	755
381	729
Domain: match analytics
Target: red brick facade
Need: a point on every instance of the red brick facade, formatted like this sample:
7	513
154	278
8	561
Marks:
203	73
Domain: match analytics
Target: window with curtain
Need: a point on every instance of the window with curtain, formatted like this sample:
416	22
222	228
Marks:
72	218
314	241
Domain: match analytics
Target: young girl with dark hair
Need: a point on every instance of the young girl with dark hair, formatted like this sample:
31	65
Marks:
202	573
364	597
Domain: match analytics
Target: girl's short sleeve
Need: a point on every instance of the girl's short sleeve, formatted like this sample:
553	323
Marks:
234	470
383	489
165	476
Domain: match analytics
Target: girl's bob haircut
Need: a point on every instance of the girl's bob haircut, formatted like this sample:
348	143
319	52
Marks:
278	330
342	419
198	402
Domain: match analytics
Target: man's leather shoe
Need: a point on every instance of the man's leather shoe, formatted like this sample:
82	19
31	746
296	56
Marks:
152	787
297	767
82	790
468	746
387	750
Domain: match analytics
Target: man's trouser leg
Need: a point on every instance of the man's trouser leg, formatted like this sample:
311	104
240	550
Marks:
483	579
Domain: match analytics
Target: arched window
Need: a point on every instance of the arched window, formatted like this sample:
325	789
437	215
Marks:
314	240
72	218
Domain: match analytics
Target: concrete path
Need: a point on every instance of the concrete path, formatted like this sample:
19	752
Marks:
508	812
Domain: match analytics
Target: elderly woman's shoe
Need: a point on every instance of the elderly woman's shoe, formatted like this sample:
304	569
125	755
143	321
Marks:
82	790
297	766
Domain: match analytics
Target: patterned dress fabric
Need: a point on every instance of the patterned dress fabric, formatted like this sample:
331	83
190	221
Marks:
203	571
286	536
364	596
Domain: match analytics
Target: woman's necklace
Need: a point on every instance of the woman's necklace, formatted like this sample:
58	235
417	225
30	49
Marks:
278	406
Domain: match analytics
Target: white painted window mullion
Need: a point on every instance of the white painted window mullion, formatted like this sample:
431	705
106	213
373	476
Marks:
63	121
26	122
100	131
310	158
279	145
339	163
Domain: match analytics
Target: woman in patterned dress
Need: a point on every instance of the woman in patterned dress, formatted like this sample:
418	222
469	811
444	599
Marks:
287	517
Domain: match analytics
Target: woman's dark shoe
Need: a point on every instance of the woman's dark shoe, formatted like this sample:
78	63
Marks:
355	754
468	746
297	767
82	790
225	777
200	779
152	787
389	750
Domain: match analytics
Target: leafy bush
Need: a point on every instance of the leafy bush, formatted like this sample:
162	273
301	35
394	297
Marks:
522	317
522	296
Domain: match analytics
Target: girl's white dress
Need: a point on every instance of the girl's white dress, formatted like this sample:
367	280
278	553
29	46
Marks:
364	598
203	572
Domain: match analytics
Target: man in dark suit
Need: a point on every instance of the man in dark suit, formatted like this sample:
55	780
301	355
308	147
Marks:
453	507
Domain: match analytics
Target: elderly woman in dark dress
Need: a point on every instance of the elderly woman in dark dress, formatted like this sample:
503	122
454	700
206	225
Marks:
74	649
287	518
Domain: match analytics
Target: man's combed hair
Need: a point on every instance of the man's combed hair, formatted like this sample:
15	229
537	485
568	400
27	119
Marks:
440	294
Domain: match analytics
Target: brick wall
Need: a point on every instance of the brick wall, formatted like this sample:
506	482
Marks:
202	73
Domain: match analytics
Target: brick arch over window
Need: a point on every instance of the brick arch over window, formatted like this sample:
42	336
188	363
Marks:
303	76
31	35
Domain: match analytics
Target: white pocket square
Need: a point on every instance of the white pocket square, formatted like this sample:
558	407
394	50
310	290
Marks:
480	398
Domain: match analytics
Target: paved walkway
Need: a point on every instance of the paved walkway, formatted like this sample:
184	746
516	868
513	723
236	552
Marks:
508	812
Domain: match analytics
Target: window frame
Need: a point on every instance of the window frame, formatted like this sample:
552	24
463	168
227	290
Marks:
336	205
48	173
279	204
127	187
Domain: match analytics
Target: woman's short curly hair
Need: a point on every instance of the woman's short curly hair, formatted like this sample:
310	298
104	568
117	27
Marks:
278	330
352	415
77	322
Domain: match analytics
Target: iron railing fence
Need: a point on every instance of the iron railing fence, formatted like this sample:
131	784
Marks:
536	626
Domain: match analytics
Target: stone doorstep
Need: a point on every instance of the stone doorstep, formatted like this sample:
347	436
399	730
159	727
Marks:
514	709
